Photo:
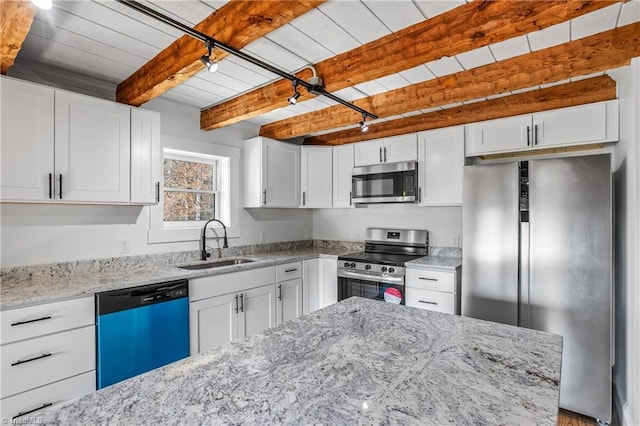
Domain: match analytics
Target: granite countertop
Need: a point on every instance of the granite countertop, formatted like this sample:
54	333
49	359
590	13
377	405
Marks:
355	362
52	287
435	262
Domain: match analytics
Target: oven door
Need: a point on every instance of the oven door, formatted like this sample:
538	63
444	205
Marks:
385	183
370	288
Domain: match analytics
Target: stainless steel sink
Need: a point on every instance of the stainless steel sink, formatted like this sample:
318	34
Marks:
216	264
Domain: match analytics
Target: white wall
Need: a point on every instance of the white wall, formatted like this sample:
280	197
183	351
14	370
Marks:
35	234
626	156
443	223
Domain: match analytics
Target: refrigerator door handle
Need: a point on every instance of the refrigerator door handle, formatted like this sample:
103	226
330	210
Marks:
524	271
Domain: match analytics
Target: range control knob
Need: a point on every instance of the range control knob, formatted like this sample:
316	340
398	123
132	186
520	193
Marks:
391	270
383	269
367	267
346	264
352	265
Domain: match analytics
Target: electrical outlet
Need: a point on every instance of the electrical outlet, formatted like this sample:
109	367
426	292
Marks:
357	236
263	237
456	241
125	246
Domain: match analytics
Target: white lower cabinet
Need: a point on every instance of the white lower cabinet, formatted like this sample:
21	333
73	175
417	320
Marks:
30	402
320	283
228	307
47	355
289	291
434	290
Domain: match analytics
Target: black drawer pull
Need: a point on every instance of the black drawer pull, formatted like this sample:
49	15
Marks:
427	279
427	302
13	364
286	271
24	413
29	321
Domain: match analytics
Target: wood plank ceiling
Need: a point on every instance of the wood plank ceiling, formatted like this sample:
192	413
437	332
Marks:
417	64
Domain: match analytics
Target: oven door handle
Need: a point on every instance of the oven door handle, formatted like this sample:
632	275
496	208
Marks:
373	278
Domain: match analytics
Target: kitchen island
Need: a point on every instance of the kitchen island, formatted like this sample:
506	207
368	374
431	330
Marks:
358	361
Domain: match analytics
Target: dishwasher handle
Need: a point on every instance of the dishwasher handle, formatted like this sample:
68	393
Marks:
135	297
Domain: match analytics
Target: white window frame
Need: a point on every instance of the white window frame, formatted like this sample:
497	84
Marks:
228	186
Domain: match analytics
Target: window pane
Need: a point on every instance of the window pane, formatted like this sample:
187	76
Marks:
188	175
184	206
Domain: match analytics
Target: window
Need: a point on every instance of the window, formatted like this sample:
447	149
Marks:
190	189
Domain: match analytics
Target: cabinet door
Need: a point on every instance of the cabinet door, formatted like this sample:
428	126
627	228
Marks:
317	177
92	143
281	173
310	285
328	282
342	168
27	140
505	134
368	153
289	305
441	154
579	124
212	322
258	307
400	148
146	159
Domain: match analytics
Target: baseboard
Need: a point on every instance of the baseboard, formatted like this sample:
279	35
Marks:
621	410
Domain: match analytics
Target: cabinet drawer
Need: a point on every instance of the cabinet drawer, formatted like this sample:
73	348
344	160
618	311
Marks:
288	271
431	280
432	300
34	321
29	404
37	362
217	285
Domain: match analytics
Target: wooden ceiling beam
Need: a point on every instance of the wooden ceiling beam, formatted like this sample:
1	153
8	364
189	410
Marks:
16	17
470	26
600	52
595	89
237	24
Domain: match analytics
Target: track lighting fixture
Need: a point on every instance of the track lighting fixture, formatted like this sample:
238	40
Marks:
212	66
363	124
314	85
294	98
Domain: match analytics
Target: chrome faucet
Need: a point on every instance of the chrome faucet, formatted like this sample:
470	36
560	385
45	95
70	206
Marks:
204	254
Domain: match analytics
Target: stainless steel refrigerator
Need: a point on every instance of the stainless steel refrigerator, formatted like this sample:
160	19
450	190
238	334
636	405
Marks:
537	252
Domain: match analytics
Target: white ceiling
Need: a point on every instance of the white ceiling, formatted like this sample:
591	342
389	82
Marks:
109	41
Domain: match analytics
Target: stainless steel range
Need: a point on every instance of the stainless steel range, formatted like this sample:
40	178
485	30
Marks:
378	272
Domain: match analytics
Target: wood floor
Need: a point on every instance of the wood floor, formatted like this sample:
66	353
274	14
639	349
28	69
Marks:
568	418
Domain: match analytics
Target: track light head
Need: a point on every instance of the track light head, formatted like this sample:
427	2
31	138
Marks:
294	98
363	124
212	66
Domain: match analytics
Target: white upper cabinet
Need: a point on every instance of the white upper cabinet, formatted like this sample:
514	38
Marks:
342	169
92	144
577	125
27	140
441	163
317	176
386	150
271	173
146	156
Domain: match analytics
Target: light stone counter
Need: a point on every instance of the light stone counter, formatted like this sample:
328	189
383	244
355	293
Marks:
435	262
356	362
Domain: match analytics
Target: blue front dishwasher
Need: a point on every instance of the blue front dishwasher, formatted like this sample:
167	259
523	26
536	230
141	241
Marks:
140	328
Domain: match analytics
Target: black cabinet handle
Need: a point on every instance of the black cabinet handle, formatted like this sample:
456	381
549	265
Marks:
286	271
535	134
381	155
428	279
24	361
13	324
236	303
280	292
264	197
241	302
157	192
385	154
350	198
304	198
61	186
50	185
24	413
427	302
528	137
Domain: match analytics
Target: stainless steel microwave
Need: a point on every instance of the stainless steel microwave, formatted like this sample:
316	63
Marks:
385	183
